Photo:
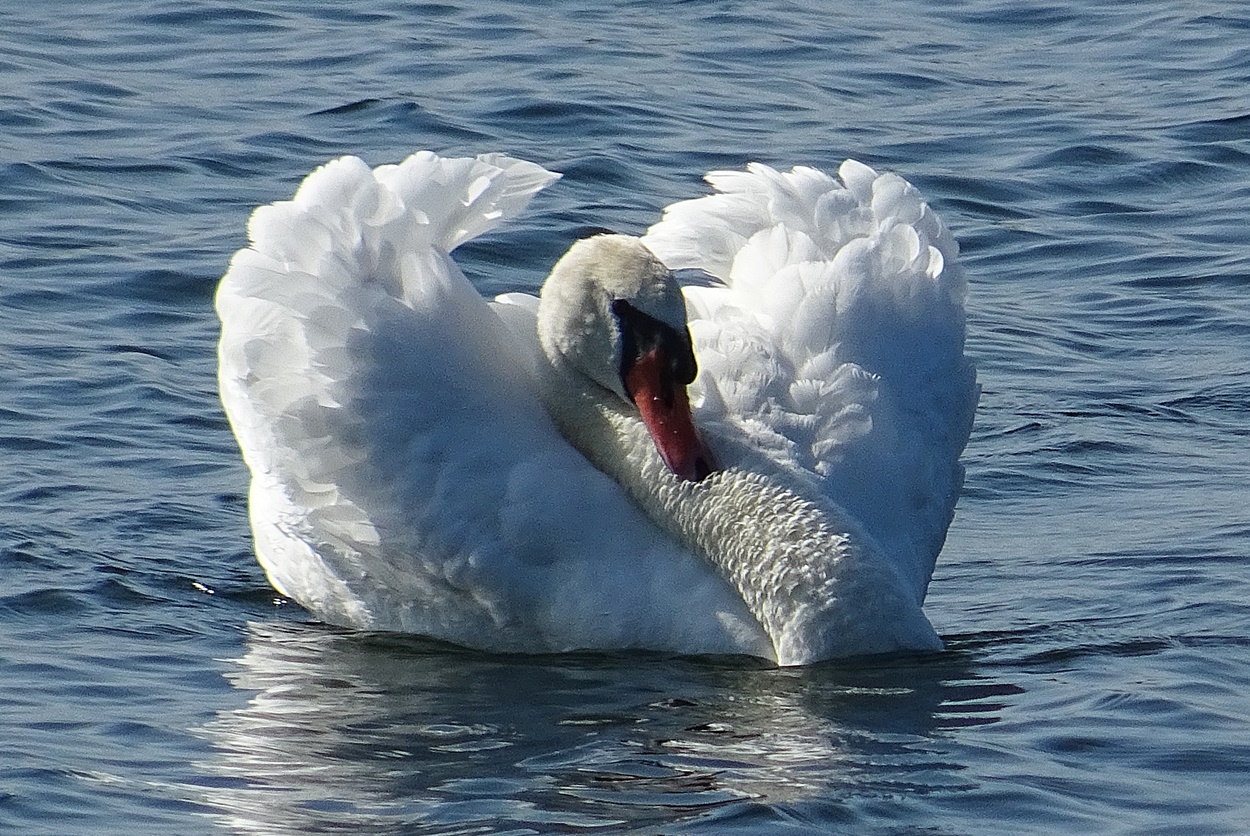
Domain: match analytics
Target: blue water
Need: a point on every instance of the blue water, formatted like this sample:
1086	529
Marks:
1093	159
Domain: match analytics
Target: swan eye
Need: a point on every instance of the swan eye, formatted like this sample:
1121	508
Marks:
642	334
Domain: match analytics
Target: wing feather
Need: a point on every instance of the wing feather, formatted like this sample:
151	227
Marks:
836	339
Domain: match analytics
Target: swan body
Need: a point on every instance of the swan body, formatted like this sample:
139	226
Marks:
502	473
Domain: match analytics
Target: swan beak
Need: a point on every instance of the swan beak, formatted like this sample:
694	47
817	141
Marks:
665	409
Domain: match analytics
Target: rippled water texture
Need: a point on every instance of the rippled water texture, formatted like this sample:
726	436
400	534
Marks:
1093	159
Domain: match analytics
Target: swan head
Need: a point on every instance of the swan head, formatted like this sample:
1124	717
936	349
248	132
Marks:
613	313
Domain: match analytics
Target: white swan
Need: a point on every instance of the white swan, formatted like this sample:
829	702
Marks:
428	461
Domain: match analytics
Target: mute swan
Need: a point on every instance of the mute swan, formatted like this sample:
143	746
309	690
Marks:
480	471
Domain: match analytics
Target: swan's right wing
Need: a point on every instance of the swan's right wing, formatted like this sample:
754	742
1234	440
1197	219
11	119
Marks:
833	340
405	475
349	341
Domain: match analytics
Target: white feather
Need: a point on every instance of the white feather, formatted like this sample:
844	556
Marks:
841	326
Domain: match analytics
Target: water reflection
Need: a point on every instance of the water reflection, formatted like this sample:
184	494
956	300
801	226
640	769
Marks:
385	734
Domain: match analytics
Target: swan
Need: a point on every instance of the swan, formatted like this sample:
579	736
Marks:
736	434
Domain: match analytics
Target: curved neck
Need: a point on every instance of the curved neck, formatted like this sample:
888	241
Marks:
803	569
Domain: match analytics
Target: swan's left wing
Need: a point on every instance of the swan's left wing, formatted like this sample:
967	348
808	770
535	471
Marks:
831	337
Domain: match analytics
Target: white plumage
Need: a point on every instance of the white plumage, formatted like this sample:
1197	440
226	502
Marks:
408	472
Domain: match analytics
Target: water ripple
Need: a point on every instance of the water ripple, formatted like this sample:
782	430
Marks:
1092	162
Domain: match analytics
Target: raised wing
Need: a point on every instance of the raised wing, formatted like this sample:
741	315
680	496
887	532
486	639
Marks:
834	339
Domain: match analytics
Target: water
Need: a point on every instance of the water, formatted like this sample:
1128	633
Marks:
1093	159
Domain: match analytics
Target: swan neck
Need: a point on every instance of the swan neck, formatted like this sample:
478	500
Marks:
787	553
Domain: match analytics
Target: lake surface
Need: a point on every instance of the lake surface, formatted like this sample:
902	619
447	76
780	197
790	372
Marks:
1094	592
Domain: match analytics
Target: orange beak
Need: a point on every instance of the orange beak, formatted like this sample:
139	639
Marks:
665	409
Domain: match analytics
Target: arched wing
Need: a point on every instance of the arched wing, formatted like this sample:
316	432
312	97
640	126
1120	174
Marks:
833	338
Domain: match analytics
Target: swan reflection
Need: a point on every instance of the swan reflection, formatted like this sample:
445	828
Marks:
386	734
